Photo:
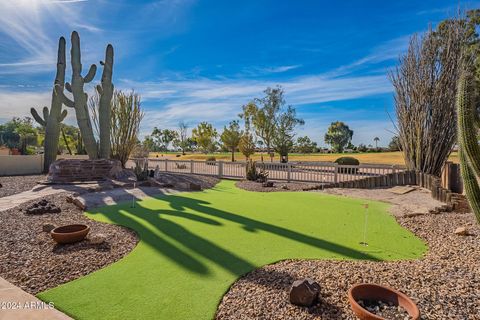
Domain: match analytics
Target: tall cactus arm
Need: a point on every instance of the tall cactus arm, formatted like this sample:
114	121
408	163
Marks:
467	130
65	100
90	74
62	116
37	117
80	97
46	113
105	89
470	182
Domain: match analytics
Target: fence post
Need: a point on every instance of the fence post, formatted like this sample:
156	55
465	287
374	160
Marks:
191	166
166	165
335	177
289	171
220	169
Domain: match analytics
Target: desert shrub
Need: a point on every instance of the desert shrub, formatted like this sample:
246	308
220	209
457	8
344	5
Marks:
255	175
178	155
347	161
141	169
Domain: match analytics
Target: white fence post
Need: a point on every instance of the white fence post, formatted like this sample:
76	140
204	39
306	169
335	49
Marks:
191	166
335	177
166	165
220	169
289	171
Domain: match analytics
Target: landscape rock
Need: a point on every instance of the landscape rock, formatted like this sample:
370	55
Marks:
41	207
461	231
98	238
77	202
304	292
267	184
195	186
48	227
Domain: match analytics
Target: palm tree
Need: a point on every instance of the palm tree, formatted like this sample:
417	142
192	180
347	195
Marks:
376	139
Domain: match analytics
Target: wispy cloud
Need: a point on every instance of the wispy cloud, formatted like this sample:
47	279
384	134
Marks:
219	101
28	24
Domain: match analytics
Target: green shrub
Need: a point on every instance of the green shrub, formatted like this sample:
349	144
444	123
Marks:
347	161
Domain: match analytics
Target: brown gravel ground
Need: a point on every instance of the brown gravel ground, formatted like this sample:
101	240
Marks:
277	186
445	284
30	259
16	184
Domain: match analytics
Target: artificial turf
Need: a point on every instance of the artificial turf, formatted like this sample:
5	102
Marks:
195	245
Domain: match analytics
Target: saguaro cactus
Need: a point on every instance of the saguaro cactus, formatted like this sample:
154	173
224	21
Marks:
80	97
469	149
52	119
105	89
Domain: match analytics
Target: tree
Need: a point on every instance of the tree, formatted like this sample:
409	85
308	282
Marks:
230	137
181	140
305	145
19	133
376	139
163	138
262	115
425	88
247	145
204	135
394	144
338	136
362	148
126	116
149	144
284	134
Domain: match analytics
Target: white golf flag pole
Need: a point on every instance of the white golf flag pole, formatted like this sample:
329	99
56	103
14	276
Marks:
365	225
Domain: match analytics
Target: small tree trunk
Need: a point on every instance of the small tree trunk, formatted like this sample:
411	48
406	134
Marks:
233	154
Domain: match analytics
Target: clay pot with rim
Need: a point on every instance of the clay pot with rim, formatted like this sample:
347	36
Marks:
377	292
70	233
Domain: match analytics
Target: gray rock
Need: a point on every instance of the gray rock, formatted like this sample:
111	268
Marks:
304	292
48	227
461	231
98	238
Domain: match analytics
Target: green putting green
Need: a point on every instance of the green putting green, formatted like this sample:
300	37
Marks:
195	245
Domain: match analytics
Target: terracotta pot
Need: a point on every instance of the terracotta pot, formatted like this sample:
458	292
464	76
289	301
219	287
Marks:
378	292
70	233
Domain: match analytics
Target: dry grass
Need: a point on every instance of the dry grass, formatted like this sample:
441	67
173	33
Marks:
378	158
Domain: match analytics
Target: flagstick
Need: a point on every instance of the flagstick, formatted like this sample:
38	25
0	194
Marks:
365	226
133	196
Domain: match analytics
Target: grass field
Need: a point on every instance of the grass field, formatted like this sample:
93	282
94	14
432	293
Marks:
377	158
195	245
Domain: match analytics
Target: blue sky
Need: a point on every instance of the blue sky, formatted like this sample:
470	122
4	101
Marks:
202	60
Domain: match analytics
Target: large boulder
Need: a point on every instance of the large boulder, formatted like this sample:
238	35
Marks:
304	292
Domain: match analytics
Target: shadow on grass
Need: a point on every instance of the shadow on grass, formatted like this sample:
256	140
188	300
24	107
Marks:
166	233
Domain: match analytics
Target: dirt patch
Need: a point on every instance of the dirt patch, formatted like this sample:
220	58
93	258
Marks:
445	283
418	201
278	186
180	181
30	259
17	184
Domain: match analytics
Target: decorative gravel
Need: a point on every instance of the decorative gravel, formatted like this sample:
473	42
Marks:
16	184
445	284
278	186
30	259
177	179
